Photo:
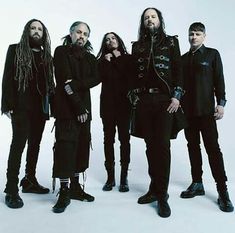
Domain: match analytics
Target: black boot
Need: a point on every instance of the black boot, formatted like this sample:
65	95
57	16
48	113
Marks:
224	202
63	200
123	179
13	201
31	185
110	183
77	193
195	189
149	197
163	207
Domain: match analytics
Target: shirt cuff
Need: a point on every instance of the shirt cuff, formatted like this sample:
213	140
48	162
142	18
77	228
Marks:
221	102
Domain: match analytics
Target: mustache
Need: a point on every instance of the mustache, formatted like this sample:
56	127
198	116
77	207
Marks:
150	23
79	40
36	34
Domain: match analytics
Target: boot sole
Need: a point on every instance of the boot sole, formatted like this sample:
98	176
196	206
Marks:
109	187
225	209
192	196
123	189
82	199
147	202
35	192
59	210
14	206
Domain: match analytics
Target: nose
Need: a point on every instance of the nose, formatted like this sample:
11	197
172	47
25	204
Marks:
37	31
81	36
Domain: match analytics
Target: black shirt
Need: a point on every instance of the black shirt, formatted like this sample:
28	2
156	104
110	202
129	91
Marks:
35	94
203	81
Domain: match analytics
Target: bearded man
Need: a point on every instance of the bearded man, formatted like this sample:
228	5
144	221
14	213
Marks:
27	86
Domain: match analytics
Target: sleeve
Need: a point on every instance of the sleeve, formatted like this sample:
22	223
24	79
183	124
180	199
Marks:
176	64
218	76
134	48
8	81
92	79
62	74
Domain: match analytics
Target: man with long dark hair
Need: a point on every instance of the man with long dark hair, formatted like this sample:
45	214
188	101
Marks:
114	107
203	82
26	88
156	89
75	73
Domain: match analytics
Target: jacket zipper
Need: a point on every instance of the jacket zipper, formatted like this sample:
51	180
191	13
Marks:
151	54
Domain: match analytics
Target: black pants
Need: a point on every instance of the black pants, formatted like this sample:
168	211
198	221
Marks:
109	128
72	148
156	126
25	126
206	125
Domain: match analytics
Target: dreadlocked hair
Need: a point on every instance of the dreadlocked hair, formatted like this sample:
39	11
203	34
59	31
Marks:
24	58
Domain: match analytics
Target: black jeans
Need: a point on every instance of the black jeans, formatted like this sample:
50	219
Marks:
157	125
206	125
25	126
72	147
109	128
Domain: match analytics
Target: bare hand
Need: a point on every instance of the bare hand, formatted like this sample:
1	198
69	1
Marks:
116	53
108	56
174	105
219	112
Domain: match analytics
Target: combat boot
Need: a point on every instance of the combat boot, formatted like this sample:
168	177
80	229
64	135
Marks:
63	200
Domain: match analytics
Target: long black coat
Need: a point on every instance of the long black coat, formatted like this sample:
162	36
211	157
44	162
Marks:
19	100
166	58
82	70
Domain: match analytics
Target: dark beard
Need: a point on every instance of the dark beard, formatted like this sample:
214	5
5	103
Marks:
35	42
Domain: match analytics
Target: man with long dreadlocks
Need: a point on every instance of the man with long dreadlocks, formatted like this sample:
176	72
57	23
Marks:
75	73
27	86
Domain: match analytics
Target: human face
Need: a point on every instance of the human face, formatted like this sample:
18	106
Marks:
196	39
80	34
151	19
111	42
36	30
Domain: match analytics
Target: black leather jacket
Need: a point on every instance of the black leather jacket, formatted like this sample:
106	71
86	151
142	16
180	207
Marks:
164	52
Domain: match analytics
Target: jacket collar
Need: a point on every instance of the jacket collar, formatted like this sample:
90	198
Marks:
200	50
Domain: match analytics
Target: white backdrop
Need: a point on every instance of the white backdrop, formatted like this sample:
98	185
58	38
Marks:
113	211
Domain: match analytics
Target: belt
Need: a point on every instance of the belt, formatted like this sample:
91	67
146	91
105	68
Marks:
152	90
